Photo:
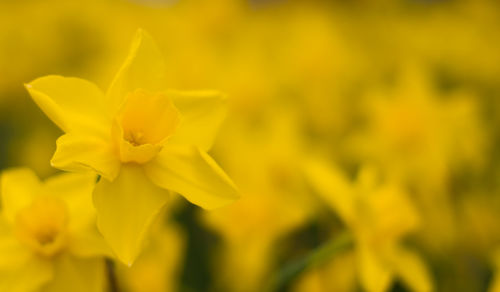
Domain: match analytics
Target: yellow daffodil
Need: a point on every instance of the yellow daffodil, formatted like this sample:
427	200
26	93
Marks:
379	216
48	238
421	140
417	135
142	139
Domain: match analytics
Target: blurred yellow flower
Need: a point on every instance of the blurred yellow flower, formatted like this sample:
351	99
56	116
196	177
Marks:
417	135
379	215
421	139
142	139
48	238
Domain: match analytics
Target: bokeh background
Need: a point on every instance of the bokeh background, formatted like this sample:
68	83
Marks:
408	87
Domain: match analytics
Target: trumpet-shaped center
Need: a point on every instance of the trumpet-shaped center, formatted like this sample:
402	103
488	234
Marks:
145	122
42	225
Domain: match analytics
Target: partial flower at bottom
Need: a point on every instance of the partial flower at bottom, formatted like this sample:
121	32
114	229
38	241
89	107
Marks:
48	238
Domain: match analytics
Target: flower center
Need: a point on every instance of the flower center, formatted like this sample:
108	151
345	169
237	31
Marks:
135	138
148	118
42	225
145	122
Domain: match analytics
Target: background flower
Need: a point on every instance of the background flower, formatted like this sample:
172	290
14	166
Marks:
48	234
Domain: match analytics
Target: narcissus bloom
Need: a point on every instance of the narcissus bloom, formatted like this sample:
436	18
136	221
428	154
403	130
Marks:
379	215
144	140
48	238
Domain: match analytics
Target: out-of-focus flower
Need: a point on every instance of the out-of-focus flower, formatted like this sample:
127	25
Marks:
417	135
48	238
142	139
379	215
420	139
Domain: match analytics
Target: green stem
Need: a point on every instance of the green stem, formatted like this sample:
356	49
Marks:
315	258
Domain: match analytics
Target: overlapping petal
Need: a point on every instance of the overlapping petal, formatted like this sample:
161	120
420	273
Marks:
73	104
375	275
126	208
86	152
192	173
333	187
411	269
143	68
75	190
18	188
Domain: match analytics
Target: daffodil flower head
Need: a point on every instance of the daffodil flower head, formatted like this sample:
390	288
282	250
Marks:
143	139
43	225
379	214
47	234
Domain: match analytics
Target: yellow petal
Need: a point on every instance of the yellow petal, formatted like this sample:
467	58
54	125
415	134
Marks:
30	277
84	152
410	267
375	275
143	68
125	210
392	214
14	254
78	275
202	114
333	187
89	243
18	188
71	103
192	173
75	190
